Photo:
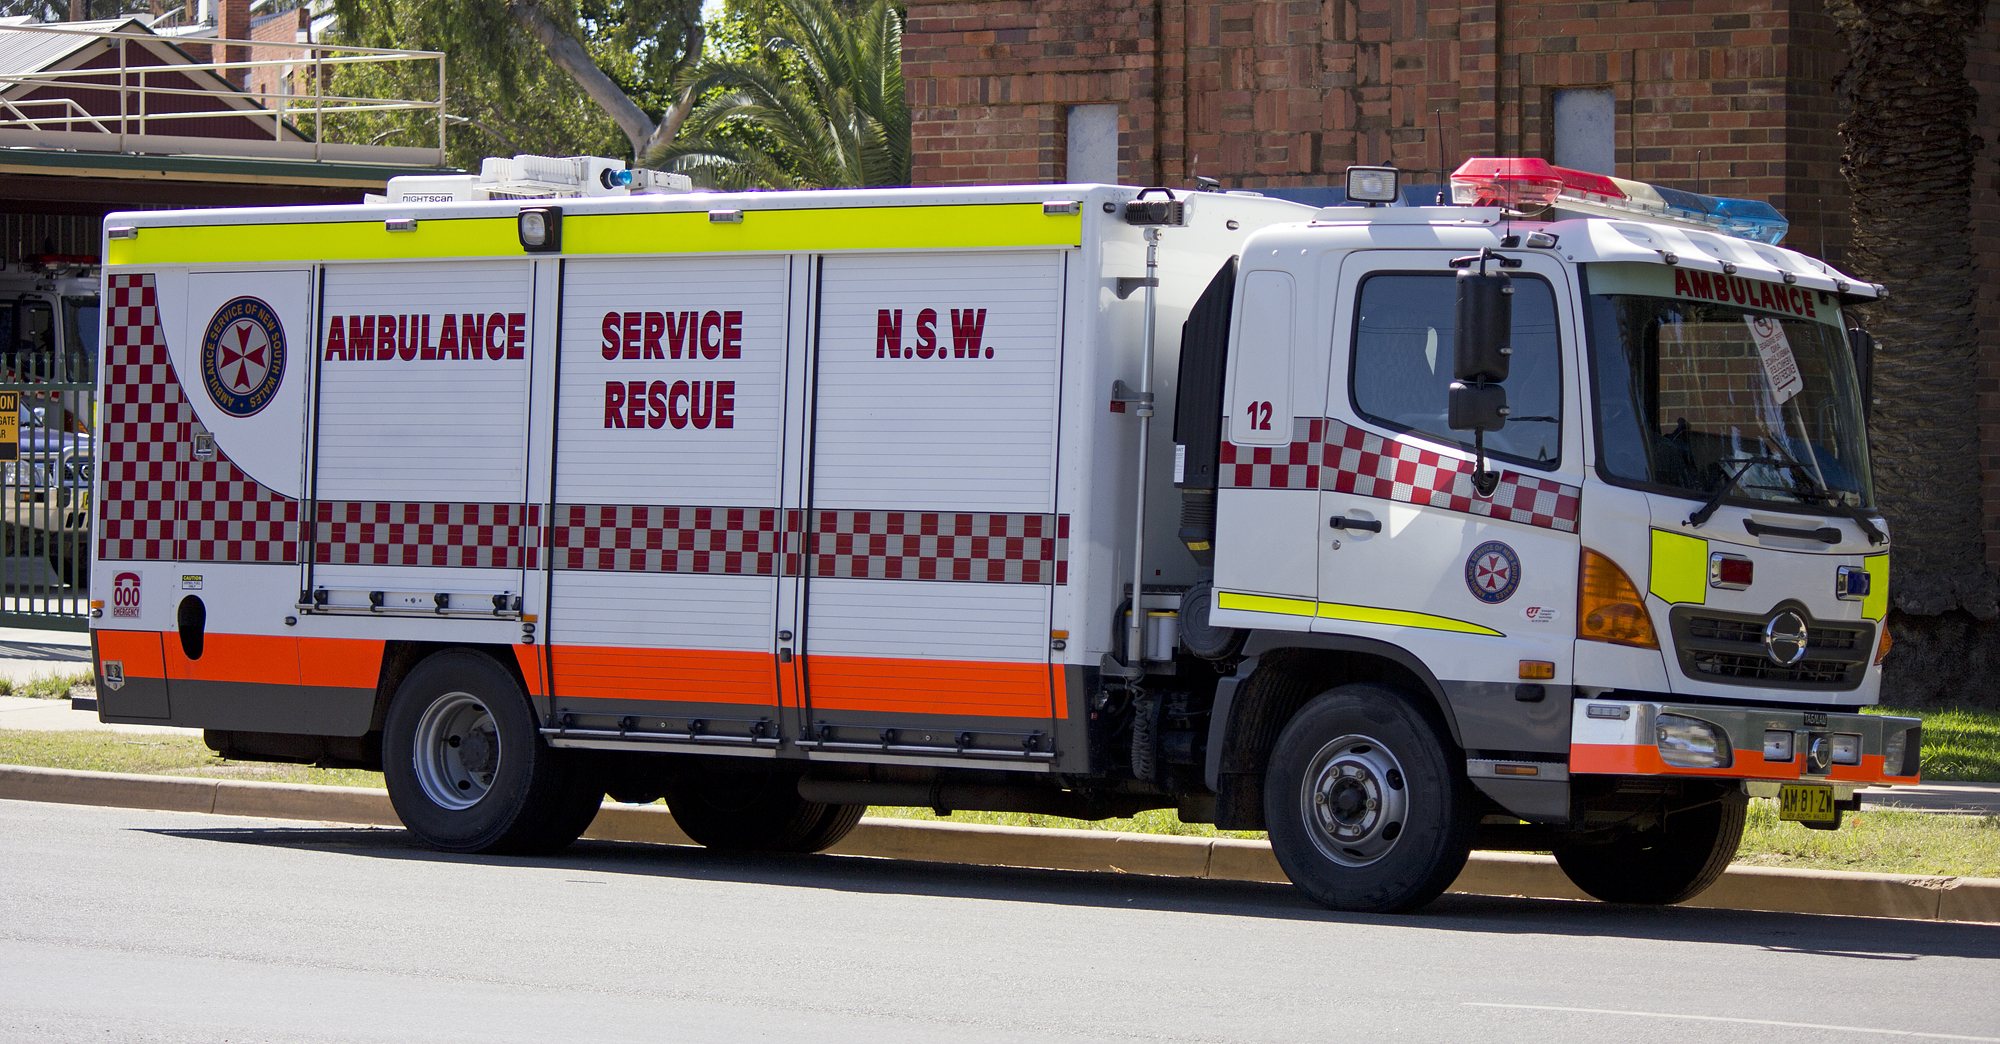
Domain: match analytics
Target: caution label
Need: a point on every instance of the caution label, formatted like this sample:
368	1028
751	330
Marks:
10	425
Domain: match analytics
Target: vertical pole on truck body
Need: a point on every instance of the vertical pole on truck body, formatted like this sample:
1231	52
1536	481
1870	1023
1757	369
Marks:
1135	627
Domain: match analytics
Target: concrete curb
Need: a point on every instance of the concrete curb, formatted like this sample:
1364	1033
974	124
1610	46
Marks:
1221	859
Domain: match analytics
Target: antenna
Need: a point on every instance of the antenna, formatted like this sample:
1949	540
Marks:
1700	183
1444	176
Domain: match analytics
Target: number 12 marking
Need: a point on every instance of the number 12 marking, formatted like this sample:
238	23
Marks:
1260	416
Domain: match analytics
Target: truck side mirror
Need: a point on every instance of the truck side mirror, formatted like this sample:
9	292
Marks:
1476	407
1862	344
1485	323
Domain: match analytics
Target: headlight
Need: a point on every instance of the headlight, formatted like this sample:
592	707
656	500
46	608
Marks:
1777	745
1846	748
1689	743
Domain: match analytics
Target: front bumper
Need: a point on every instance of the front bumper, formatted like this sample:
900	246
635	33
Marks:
1621	738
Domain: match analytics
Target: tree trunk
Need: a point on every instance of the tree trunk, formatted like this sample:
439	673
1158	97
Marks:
570	56
1907	157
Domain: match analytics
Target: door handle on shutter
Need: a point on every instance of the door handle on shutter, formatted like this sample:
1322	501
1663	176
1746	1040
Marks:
1343	522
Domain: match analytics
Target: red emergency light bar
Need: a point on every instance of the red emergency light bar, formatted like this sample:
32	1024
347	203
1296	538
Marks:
1527	185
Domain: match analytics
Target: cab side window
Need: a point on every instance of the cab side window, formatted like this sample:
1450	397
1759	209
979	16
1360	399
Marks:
1402	364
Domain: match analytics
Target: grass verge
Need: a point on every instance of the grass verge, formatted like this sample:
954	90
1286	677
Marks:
1874	841
53	687
1960	746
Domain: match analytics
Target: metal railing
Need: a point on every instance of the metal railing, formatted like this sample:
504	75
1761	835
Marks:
145	104
47	472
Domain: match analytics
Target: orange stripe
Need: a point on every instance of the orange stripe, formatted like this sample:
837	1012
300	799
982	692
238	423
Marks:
1644	760
257	658
1001	690
1058	690
529	657
685	675
139	651
341	663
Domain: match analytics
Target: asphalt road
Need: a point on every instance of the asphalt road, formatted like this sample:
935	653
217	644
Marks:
125	925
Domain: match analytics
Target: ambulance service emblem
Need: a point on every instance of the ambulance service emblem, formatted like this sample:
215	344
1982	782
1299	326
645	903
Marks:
243	356
1493	572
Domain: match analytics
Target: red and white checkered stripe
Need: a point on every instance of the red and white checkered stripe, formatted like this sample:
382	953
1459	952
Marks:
1346	459
929	545
480	536
656	539
224	514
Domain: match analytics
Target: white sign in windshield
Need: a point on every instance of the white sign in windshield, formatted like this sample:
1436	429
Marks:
1781	369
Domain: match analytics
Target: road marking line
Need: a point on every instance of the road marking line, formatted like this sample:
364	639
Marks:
1725	1018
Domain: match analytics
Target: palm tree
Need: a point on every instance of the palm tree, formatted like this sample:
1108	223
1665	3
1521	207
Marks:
1907	157
824	110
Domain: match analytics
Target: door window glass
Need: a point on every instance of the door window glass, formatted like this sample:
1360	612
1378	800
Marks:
1402	364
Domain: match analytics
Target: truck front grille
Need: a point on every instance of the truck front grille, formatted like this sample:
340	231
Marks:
1728	648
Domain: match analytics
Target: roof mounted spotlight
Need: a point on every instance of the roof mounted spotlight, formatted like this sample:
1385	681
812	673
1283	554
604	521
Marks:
1143	211
540	229
1373	185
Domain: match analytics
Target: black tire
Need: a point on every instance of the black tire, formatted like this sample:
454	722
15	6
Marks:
1354	745
756	811
1671	863
466	766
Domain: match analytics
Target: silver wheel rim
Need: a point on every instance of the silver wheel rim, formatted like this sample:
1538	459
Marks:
1354	800
457	750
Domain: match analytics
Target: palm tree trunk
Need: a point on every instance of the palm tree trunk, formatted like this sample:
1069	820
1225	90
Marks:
1907	156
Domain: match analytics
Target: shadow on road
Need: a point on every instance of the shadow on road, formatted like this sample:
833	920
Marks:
1859	938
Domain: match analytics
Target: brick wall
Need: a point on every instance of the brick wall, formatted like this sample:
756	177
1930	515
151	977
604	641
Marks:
1983	66
1734	98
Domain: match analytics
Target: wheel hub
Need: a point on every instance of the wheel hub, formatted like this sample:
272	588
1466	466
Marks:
457	751
1355	800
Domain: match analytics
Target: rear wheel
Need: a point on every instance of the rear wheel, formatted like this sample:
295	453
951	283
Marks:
1366	810
1670	863
467	769
757	811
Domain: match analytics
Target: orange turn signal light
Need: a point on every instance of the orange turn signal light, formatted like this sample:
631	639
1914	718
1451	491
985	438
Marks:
1882	647
1609	606
1537	670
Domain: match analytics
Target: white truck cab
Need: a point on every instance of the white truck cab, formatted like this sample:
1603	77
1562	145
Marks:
1541	521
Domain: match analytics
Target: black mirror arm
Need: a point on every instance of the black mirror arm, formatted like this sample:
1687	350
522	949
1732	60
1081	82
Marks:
1484	482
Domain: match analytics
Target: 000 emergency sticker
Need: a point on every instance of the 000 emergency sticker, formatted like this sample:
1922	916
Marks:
1780	367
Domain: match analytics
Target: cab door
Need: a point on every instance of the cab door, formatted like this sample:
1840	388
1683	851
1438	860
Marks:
1411	551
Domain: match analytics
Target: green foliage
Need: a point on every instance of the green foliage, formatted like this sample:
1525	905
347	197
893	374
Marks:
817	104
504	93
1960	745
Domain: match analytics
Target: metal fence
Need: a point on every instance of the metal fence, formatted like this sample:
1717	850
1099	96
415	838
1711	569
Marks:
47	460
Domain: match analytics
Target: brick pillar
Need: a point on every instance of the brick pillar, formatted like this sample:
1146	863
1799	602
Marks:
234	24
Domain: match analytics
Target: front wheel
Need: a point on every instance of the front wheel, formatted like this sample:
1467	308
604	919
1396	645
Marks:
1670	863
467	769
1366	809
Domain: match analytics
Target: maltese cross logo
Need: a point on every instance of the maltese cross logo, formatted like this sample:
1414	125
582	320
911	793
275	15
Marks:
243	356
1493	572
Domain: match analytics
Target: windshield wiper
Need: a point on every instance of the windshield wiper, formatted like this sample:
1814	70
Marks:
1821	495
1702	513
1812	492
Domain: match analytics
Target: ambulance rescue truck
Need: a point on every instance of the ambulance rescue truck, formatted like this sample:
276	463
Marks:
1541	521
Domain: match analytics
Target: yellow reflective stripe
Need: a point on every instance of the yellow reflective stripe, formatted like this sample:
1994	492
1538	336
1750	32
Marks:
1265	604
846	228
319	241
1875	604
1355	613
761	231
1399	618
1680	568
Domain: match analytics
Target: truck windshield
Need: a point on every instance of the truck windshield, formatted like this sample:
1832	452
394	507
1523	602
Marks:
1693	395
80	338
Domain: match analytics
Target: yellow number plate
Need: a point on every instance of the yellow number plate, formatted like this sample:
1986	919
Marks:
1806	804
